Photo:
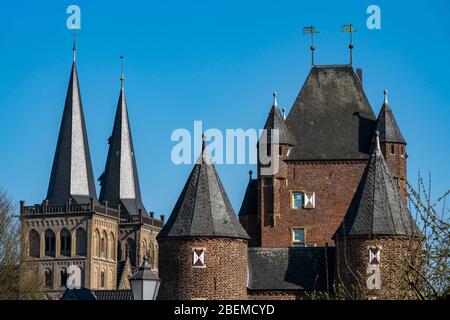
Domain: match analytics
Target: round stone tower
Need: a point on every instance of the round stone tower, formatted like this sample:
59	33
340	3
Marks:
203	248
378	238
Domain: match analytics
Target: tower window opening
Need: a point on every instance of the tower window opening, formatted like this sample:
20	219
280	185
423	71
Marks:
392	149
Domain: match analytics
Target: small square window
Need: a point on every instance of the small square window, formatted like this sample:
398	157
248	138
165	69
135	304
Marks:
297	200
298	236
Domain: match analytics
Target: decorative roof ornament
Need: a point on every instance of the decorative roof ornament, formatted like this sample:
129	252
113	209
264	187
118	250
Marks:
385	96
275	101
350	29
122	76
311	30
284	113
74	47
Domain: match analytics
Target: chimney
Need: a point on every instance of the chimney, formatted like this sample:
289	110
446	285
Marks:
359	73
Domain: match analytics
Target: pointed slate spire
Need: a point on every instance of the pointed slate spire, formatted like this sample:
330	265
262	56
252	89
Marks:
71	175
386	124
276	120
379	208
120	182
203	208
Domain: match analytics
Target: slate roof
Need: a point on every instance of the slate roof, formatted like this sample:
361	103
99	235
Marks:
87	294
387	126
377	207
275	120
250	201
294	268
203	208
120	181
71	175
331	119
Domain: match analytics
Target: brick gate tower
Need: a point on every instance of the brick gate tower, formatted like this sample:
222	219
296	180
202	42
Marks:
378	237
203	247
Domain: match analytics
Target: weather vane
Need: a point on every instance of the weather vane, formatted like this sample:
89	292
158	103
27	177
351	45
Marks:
311	30
122	76
74	48
350	29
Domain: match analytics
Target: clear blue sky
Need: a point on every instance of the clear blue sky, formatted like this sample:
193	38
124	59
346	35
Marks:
216	61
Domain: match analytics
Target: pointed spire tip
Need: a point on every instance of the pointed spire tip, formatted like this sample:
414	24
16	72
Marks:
377	143
275	101
385	96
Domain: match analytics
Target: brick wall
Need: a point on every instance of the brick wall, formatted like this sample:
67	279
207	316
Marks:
352	257
334	184
224	277
396	162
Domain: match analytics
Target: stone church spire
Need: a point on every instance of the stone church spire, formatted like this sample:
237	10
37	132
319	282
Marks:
71	175
120	182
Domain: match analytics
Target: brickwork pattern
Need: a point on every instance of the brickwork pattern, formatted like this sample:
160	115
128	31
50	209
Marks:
224	277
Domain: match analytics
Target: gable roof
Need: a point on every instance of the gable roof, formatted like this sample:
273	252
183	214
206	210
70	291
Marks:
203	208
294	268
71	175
331	119
377	207
120	182
275	120
387	126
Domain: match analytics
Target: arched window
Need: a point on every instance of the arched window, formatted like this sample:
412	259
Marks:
34	241
103	246
392	149
66	242
49	243
63	277
48	278
81	242
111	246
96	248
120	255
102	279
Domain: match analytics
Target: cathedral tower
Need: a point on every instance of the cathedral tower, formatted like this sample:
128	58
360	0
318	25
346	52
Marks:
70	229
120	188
203	247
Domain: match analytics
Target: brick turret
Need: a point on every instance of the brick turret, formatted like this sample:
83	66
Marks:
378	238
203	247
393	145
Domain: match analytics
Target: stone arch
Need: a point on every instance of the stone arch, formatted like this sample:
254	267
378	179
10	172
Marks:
34	244
96	248
81	242
104	245
102	280
111	246
110	279
50	241
65	239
